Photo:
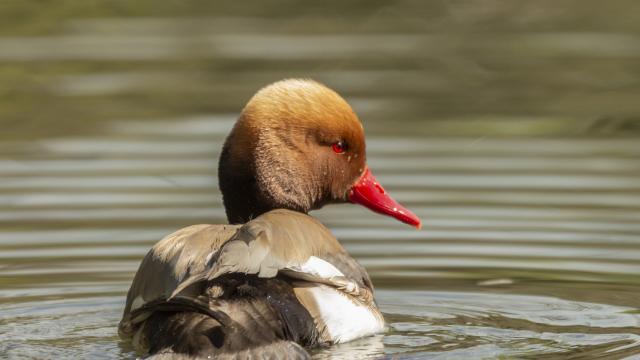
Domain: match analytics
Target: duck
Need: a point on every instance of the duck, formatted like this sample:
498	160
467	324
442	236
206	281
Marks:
274	281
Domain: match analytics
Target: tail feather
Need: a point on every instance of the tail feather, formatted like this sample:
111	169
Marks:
286	350
251	318
191	335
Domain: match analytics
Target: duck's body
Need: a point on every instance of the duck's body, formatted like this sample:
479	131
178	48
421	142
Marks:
241	287
277	279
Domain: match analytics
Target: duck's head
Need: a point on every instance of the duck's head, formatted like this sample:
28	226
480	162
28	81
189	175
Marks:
298	145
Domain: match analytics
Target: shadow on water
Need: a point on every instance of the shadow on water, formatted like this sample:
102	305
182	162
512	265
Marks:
512	130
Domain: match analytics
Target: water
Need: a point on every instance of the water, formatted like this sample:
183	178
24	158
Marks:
513	132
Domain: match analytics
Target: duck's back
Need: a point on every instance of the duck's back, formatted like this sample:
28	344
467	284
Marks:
253	290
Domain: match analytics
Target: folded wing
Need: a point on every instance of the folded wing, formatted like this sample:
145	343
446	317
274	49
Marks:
183	271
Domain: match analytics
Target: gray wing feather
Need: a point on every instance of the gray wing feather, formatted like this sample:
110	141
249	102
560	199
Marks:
280	241
250	251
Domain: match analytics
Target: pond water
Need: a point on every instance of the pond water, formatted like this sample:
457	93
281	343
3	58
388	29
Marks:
512	131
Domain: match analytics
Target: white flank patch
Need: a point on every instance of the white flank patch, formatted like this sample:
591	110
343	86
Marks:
320	268
342	318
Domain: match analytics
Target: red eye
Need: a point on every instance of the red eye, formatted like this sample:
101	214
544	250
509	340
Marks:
338	147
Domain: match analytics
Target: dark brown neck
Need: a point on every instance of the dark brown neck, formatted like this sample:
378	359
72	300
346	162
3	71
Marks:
244	199
238	189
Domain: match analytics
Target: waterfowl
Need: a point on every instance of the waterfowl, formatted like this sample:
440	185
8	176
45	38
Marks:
274	280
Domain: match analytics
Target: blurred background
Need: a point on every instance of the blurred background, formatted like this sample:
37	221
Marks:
512	128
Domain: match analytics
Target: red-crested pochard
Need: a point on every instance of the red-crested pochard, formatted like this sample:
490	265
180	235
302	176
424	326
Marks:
275	280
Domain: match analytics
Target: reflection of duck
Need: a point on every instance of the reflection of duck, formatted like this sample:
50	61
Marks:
280	279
